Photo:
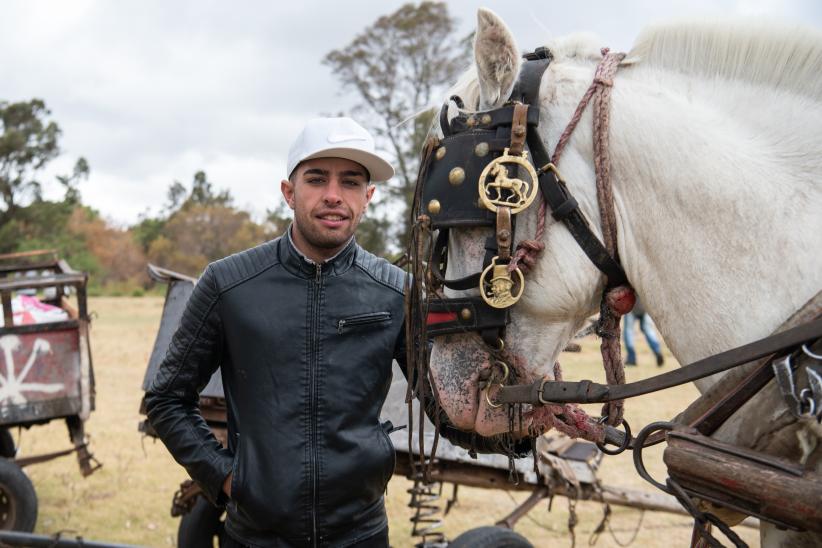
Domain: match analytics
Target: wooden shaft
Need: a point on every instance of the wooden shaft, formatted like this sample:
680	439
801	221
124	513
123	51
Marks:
744	480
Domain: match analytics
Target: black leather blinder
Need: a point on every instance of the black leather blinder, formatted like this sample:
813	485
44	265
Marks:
450	194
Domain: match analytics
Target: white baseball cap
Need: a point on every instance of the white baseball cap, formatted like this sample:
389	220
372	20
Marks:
338	138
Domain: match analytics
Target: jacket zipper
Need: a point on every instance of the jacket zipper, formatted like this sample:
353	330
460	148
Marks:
313	400
362	319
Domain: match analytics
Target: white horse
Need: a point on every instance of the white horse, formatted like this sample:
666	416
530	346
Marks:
716	155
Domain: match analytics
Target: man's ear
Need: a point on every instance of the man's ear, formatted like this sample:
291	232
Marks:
287	188
369	193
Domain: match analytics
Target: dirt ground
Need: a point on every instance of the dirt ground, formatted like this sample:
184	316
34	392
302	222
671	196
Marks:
129	499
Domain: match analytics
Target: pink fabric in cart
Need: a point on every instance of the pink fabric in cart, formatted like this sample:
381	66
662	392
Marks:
28	310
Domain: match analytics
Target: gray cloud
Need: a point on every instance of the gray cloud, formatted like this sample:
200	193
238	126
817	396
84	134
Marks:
151	91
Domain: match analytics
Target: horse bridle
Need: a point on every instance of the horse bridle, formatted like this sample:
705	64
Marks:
469	178
480	145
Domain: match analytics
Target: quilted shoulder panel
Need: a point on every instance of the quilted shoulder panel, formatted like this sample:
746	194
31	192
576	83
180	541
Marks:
381	270
244	265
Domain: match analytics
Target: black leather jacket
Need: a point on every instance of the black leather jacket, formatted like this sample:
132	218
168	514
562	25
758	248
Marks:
306	352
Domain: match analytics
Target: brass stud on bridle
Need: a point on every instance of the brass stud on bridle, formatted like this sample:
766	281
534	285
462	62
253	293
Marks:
434	207
440	154
481	149
456	176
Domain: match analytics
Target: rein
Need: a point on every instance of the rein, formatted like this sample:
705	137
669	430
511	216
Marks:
542	392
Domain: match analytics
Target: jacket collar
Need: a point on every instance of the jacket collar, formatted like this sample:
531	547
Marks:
299	264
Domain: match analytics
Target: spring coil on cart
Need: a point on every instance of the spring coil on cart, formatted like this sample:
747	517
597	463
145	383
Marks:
425	499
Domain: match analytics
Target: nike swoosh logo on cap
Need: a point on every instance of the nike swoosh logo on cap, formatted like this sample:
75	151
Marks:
340	137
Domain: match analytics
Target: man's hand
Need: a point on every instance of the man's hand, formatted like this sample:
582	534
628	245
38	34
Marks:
227	484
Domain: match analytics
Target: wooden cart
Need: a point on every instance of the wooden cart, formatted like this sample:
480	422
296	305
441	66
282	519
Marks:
45	373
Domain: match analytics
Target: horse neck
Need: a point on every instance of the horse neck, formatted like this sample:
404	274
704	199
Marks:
717	207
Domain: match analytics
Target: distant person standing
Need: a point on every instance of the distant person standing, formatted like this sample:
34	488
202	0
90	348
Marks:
647	328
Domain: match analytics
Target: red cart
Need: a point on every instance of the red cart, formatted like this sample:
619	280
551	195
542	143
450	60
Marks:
45	370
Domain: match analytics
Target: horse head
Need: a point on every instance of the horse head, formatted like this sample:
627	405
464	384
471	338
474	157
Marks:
564	288
714	163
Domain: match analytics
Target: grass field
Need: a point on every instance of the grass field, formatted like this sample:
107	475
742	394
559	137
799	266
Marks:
129	499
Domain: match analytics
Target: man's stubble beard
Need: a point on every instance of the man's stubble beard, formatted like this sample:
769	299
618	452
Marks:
324	239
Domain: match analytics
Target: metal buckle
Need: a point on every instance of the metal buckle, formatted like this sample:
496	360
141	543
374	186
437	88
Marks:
541	386
550	167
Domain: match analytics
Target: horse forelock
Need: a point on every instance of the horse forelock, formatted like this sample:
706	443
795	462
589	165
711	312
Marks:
752	50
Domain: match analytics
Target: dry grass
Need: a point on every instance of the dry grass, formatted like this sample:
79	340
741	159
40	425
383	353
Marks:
129	499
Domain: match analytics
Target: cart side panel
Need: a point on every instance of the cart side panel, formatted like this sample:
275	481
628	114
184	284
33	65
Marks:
177	296
40	374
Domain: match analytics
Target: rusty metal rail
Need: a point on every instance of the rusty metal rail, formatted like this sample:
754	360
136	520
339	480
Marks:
16	538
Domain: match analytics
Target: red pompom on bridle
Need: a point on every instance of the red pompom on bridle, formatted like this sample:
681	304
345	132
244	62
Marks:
621	299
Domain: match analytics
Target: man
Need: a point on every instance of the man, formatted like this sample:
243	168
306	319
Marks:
304	328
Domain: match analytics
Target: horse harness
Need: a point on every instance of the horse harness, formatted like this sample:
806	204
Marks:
492	147
487	147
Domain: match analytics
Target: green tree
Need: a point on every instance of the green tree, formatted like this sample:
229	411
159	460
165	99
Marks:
397	67
70	182
200	233
29	140
202	193
176	195
179	198
201	225
277	219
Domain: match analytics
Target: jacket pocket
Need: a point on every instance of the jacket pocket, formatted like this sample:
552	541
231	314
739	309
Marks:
236	471
362	321
391	461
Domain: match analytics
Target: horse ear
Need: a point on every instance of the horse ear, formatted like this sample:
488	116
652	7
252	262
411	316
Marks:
497	58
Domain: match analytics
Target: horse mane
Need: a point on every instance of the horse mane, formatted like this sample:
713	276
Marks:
755	51
751	50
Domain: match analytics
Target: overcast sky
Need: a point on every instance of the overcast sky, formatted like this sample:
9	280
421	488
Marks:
151	91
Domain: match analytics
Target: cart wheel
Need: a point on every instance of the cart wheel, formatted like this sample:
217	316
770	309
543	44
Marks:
201	526
18	501
490	537
7	448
